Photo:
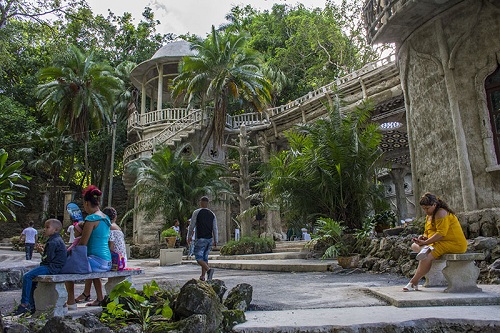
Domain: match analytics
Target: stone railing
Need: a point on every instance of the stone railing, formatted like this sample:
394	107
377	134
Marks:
338	84
247	119
156	117
190	120
377	12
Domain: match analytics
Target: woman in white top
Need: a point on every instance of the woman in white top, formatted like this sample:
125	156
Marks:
116	237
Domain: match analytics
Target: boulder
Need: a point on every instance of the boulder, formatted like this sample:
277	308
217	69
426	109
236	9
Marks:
240	297
198	298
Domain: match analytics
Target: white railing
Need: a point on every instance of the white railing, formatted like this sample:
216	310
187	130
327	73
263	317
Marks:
190	120
156	117
338	84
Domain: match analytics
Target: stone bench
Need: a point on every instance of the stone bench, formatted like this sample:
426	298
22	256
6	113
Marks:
456	271
50	294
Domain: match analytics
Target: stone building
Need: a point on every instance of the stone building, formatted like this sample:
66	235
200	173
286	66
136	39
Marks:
448	54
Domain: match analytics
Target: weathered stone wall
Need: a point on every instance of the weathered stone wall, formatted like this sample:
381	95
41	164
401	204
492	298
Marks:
443	65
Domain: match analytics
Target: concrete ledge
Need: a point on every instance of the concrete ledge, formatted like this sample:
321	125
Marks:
436	296
290	265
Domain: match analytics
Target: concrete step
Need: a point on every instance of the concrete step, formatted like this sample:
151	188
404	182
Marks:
290	246
290	265
265	256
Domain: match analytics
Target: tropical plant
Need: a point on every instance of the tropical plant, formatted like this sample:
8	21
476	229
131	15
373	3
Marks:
330	239
78	95
170	184
126	304
11	188
329	169
222	70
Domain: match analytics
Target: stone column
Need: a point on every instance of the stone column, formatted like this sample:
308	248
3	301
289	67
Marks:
45	204
159	103
143	99
68	197
397	175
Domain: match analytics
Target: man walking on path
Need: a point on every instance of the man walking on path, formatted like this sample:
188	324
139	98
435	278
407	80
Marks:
205	223
29	236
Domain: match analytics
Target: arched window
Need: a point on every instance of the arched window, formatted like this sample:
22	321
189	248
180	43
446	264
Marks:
492	86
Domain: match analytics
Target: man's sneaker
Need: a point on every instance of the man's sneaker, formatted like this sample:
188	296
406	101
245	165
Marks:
21	310
210	274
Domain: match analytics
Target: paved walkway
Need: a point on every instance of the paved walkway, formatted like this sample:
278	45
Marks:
314	301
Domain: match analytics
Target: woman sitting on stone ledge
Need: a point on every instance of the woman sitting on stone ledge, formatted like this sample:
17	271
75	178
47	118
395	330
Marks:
443	234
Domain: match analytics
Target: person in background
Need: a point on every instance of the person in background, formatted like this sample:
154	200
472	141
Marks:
53	259
30	236
177	229
443	234
191	244
116	240
205	222
95	235
71	233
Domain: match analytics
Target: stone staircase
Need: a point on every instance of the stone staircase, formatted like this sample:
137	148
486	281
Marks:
288	256
5	244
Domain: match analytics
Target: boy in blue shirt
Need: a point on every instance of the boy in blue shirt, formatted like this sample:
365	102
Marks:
53	259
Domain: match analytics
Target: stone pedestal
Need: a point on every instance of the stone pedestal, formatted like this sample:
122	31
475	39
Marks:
461	272
435	277
171	256
50	298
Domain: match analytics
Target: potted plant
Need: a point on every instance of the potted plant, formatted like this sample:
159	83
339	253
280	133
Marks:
170	236
340	245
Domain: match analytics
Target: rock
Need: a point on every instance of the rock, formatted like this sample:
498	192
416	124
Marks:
60	324
219	287
232	318
483	243
196	323
15	328
134	328
240	297
198	297
90	320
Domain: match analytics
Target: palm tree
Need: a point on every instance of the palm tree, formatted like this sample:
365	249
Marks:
329	170
78	95
11	188
222	69
170	185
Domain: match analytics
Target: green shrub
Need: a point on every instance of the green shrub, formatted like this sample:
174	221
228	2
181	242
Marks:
248	245
169	233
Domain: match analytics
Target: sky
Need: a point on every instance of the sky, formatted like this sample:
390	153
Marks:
187	16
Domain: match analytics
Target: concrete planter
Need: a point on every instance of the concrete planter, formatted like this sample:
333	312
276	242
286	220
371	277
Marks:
171	256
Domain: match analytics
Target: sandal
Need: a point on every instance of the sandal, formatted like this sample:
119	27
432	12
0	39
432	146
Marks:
94	303
82	298
410	286
202	278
